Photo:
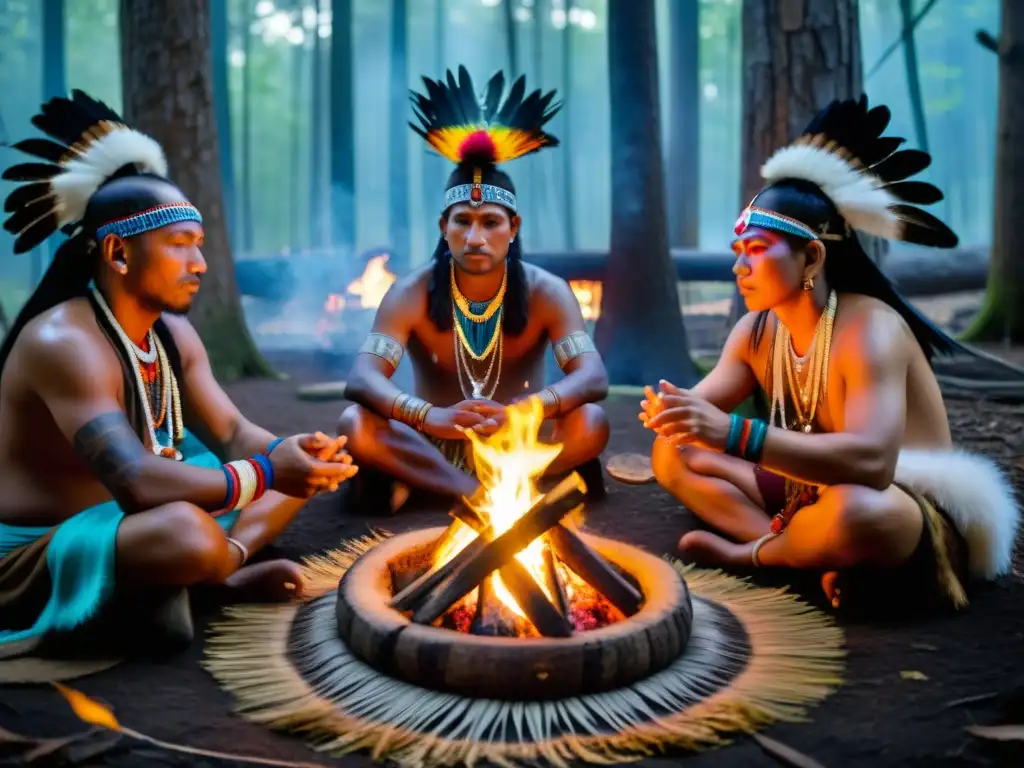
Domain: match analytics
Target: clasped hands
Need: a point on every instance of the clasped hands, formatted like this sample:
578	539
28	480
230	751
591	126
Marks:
308	464
482	417
683	418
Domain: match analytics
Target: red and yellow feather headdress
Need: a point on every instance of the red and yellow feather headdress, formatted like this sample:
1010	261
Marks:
479	133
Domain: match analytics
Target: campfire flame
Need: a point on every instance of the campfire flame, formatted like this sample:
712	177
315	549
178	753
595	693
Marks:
369	287
588	294
508	464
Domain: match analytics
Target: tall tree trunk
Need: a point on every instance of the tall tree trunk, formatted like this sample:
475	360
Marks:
168	94
568	191
913	76
342	133
434	167
398	151
640	332
1002	315
799	55
295	207
54	84
317	188
222	106
511	41
246	183
684	136
539	175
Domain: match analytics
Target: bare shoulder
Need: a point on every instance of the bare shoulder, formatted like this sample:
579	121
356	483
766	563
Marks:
185	335
408	294
544	285
66	341
739	343
869	330
551	297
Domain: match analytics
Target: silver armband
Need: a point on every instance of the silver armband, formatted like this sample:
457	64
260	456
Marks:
383	347
572	346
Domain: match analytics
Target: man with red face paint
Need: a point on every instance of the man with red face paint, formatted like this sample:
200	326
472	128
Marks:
476	321
854	475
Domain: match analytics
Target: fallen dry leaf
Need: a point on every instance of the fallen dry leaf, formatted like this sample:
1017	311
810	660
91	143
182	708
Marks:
913	674
89	710
785	754
1013	732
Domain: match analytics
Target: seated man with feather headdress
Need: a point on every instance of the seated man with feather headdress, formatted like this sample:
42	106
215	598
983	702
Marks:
476	322
107	499
854	474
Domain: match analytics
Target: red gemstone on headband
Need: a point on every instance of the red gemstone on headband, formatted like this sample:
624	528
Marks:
476	194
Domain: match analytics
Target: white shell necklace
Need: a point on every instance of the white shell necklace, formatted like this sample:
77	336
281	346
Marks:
168	382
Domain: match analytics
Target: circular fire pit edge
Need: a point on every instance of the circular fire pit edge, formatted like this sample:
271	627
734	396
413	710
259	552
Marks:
512	668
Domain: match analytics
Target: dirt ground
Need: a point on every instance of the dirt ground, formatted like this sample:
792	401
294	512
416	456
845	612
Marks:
971	666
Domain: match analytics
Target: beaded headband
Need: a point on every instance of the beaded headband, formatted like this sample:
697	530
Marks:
476	194
150	219
765	219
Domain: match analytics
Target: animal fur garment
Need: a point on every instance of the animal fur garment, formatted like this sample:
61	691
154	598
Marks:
976	496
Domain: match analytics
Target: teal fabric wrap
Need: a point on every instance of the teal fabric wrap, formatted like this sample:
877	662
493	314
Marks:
80	557
478	334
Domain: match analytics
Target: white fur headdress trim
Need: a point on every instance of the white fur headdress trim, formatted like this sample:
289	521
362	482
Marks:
977	497
858	195
83	174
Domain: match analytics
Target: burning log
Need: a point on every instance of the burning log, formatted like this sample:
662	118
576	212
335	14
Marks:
554	579
488	620
594	570
549	620
410	597
547	512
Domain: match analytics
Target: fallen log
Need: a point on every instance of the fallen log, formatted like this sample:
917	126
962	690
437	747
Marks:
924	272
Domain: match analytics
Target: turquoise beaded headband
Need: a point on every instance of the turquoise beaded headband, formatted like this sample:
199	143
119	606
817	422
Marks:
152	218
765	219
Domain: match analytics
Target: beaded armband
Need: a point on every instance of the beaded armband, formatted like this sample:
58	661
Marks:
383	347
410	410
572	346
247	480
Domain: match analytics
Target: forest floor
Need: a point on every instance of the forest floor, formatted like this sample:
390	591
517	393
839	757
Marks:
971	666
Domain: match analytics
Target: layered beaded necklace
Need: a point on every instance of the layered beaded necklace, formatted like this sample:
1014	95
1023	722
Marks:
156	384
787	368
478	339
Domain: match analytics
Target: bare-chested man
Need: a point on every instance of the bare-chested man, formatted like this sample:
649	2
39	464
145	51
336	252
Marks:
477	321
104	491
857	476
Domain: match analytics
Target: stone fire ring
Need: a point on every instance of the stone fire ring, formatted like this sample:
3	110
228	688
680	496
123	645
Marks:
509	668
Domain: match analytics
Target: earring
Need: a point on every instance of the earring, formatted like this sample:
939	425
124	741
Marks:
512	240
808	283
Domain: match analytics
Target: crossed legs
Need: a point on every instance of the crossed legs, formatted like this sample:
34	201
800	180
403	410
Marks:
182	545
849	525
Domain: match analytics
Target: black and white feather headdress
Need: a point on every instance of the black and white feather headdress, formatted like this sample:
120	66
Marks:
88	144
866	175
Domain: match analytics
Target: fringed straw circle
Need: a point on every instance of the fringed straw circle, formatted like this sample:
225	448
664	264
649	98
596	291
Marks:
755	656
